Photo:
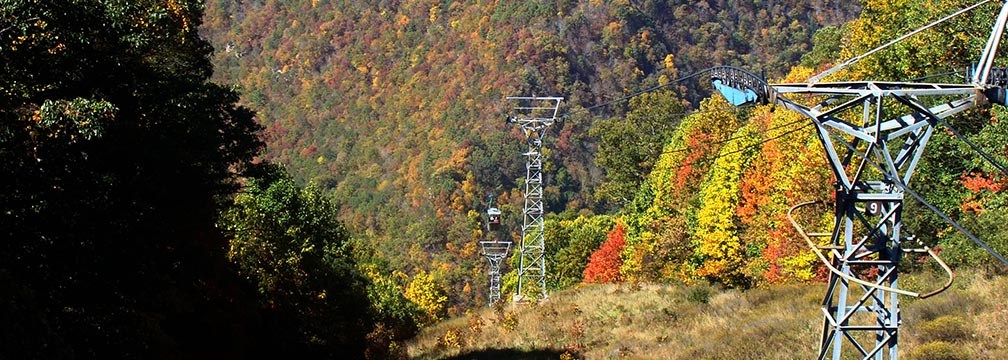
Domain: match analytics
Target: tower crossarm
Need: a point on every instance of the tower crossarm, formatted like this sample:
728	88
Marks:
843	133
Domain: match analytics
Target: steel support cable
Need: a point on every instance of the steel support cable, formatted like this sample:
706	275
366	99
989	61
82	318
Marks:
680	115
650	89
949	220
826	262
698	73
934	209
710	159
708	111
852	60
976	148
722	141
656	87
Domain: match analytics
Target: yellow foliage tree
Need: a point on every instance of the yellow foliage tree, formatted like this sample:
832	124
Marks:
719	254
657	240
428	295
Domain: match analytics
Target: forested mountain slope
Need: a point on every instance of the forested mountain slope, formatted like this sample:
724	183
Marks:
397	106
141	218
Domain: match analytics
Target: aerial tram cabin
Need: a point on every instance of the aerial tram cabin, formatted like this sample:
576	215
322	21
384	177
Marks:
493	215
493	218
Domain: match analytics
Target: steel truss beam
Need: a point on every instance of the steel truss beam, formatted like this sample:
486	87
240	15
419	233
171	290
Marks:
534	115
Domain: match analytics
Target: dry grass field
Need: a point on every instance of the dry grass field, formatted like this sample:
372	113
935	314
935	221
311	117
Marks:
968	321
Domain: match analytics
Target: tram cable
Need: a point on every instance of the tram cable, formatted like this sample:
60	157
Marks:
722	141
820	76
974	146
711	159
650	89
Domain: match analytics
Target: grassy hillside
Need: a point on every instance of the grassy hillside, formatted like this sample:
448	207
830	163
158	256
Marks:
700	322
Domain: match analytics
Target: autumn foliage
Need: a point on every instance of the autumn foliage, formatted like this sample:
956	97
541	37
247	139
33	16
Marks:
393	108
370	101
604	263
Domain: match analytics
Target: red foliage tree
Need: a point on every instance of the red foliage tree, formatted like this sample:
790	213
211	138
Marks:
604	264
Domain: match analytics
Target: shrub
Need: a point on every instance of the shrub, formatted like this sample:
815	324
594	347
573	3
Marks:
699	294
949	328
938	350
452	339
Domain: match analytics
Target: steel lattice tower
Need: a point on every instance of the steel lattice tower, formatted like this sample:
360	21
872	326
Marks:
874	134
495	252
534	115
873	161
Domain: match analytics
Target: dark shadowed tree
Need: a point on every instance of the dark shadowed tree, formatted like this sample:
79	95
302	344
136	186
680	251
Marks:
287	241
116	154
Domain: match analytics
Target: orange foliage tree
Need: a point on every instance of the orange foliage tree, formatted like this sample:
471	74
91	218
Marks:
790	168
604	264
